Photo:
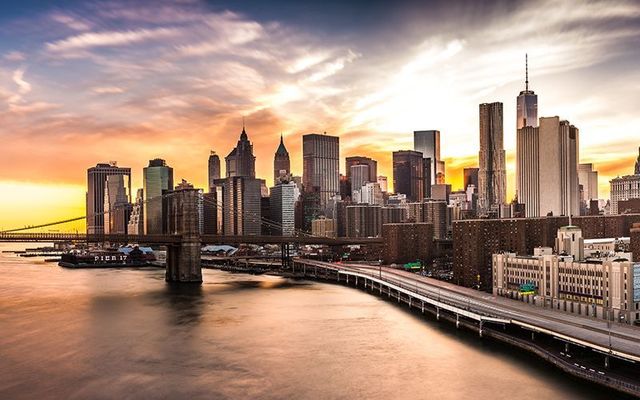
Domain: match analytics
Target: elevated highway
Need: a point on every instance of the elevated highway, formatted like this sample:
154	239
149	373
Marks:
576	345
609	338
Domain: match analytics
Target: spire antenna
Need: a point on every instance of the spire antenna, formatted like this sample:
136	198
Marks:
526	73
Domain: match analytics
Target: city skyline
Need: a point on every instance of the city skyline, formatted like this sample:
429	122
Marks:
334	79
292	199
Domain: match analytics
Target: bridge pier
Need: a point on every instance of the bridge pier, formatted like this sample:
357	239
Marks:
183	262
183	259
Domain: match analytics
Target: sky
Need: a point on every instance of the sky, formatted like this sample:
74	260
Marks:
83	82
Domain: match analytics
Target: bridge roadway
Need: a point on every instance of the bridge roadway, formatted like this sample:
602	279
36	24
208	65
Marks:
176	239
614	339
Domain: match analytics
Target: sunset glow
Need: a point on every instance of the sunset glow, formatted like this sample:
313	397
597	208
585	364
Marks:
91	82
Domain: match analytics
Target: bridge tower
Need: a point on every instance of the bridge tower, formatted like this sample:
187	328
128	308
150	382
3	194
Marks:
183	218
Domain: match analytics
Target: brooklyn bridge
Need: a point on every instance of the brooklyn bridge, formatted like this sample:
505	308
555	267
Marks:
183	238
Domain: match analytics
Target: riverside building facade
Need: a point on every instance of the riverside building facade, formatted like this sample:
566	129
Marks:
598	284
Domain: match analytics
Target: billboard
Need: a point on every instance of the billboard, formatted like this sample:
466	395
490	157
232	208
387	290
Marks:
528	288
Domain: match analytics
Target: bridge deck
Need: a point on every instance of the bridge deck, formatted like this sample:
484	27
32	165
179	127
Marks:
175	239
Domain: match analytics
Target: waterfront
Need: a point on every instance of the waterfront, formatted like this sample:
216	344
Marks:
126	334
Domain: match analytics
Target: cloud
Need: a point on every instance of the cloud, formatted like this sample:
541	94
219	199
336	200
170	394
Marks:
306	61
172	79
331	68
31	108
15	56
71	22
23	86
110	38
108	90
226	32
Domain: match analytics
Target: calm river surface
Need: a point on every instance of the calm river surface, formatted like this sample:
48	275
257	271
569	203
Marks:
120	334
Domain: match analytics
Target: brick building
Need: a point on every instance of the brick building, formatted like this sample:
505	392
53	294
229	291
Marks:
634	243
407	242
474	241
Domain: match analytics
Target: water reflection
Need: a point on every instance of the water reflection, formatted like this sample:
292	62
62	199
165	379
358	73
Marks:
88	334
186	303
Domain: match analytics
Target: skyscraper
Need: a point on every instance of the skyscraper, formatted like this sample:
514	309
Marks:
559	155
241	205
136	219
364	220
547	168
623	188
370	193
382	181
214	168
320	165
428	143
241	161
435	212
156	179
526	103
116	205
281	163
359	176
470	178
492	179
408	174
588	178
283	206
212	212
528	169
637	168
360	160
96	178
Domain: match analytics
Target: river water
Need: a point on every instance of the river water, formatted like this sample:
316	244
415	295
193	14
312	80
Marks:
107	334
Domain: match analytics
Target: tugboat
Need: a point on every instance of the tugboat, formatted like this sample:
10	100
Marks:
107	259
